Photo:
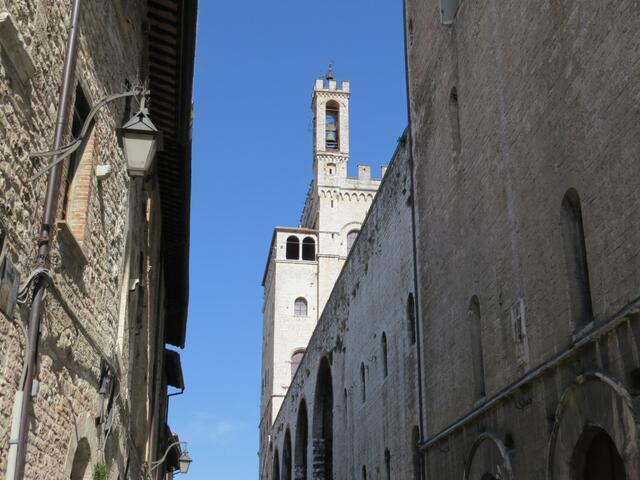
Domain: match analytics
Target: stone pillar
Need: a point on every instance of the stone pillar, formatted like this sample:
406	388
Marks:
318	459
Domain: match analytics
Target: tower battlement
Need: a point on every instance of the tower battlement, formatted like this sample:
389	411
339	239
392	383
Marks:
331	85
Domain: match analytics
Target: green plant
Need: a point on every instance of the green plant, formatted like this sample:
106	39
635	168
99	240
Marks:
100	471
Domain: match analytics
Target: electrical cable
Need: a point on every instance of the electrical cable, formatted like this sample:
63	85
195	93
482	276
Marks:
66	150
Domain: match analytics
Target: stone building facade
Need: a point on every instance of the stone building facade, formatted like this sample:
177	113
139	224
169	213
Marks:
304	262
510	219
525	143
352	405
118	267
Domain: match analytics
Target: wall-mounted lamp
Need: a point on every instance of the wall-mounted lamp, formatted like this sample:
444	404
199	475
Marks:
184	461
139	139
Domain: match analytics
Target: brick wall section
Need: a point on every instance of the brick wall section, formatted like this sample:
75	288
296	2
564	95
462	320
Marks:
369	298
80	192
81	330
547	102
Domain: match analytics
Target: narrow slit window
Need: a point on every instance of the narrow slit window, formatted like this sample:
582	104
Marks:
411	318
475	332
575	252
385	365
363	383
454	118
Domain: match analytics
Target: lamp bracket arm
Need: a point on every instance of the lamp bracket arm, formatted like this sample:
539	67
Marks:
66	150
156	464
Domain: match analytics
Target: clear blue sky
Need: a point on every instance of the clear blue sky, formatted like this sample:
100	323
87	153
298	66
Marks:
255	68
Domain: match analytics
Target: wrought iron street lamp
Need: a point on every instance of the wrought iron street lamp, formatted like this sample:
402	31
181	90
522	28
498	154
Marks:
185	462
139	139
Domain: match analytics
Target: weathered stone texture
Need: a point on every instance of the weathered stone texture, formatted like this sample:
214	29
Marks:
81	326
547	97
368	300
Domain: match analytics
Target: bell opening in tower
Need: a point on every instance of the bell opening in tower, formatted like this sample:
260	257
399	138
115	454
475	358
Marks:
331	126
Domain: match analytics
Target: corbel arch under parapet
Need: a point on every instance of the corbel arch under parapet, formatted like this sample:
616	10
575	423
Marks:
488	458
594	402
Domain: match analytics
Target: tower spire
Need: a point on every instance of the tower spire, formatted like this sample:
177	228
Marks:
330	71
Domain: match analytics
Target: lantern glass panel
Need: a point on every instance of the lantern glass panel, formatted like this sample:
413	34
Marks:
139	150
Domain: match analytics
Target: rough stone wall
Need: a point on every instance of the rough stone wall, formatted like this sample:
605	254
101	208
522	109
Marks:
545	100
83	325
369	299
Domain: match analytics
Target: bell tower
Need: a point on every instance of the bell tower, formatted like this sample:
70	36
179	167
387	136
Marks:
330	129
305	261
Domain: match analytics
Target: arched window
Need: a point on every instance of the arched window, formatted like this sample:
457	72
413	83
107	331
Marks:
387	464
363	383
411	318
575	253
364	472
323	424
475	332
596	457
300	307
308	249
287	469
296	358
351	238
385	367
293	248
332	130
81	460
302	439
454	118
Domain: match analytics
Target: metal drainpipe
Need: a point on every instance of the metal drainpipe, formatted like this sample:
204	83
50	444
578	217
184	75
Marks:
46	234
416	283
